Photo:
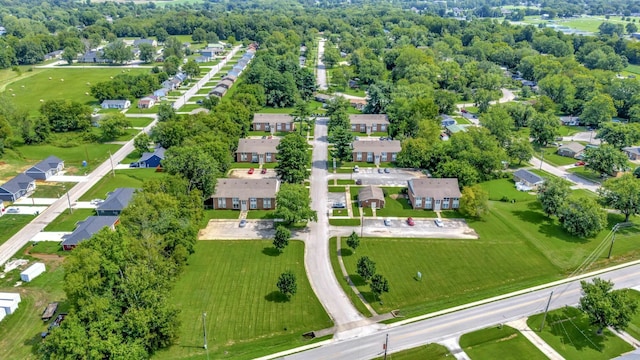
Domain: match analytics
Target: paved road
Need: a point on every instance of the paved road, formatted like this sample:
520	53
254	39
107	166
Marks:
507	95
404	336
22	237
316	256
586	136
321	72
579	183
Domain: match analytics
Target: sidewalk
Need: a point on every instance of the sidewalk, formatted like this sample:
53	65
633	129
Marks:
548	351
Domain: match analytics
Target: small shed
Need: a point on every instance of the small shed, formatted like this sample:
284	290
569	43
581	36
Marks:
371	197
8	306
2	313
10	296
32	272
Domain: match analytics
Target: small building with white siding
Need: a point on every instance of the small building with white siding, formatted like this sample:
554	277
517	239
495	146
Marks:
32	272
8	306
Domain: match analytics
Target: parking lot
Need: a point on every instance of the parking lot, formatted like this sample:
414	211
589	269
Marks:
254	229
257	174
371	176
423	228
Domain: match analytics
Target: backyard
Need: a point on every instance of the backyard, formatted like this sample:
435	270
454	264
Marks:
234	283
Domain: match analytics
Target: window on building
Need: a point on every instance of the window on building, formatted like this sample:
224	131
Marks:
243	157
358	156
253	203
369	157
445	203
266	203
393	156
222	203
235	203
418	203
428	203
456	203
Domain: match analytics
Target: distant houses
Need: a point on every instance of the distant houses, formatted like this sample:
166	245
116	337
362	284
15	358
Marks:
116	104
572	150
632	152
272	122
94	56
369	123
138	42
147	102
526	180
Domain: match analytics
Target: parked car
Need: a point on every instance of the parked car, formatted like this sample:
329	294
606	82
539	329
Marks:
251	171
380	171
263	171
96	201
13	210
356	169
410	221
382	138
199	102
264	137
134	165
356	138
387	222
243	223
339	205
464	110
580	163
358	181
387	171
439	223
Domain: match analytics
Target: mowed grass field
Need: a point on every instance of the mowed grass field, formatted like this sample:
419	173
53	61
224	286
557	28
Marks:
634	325
32	88
514	238
504	343
234	282
568	331
11	224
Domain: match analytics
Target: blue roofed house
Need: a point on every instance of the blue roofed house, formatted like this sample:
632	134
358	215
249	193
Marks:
526	180
86	229
181	76
116	201
46	168
151	159
115	104
161	92
17	187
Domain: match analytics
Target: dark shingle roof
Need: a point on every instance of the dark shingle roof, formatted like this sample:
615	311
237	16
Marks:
49	163
20	182
158	152
528	176
117	200
87	228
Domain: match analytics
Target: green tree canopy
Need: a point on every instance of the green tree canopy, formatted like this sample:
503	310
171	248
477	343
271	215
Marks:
605	306
622	193
287	283
366	267
293	204
552	195
582	217
605	159
474	201
293	158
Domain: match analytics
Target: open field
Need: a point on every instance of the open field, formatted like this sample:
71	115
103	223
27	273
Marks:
48	190
568	331
234	282
424	352
335	264
20	332
31	89
503	342
124	178
67	222
584	23
11	224
73	156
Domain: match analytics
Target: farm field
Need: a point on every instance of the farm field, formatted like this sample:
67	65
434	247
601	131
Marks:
124	178
234	282
30	90
499	343
568	331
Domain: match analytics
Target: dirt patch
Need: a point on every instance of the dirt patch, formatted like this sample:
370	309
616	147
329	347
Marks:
512	336
396	196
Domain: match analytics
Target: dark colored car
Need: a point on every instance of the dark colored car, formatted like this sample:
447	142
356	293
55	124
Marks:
263	171
410	221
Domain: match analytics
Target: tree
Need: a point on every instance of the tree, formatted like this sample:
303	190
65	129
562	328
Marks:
141	143
366	268
171	65
118	52
605	306
582	217
622	194
446	101
69	54
301	113
66	115
474	201
498	121
113	125
147	52
194	165
293	204
161	34
166	112
519	149
544	128
619	135
199	35
287	283
379	284
552	195
605	159
341	138
631	28
353	241
191	68
281	238
598	110
293	158
331	55
636	172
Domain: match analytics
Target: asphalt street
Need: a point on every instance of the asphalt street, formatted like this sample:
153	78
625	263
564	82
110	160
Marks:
405	336
321	72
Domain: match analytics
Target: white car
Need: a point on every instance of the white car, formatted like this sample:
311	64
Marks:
96	201
439	223
13	210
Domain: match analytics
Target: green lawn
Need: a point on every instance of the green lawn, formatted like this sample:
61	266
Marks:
568	331
505	188
342	280
49	190
340	212
20	331
586	173
424	352
570	130
503	343
551	157
11	224
344	222
634	326
260	214
47	247
67	222
124	178
234	282
30	90
140	122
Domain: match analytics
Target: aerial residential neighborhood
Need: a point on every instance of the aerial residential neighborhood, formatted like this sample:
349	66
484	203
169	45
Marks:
185	179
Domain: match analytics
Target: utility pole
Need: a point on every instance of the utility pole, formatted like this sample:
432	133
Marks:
204	327
113	172
542	159
386	346
546	310
69	201
615	229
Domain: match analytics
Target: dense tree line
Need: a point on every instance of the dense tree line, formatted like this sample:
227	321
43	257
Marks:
128	87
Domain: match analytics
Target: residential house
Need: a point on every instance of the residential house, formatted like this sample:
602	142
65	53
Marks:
447	121
353	83
570	120
218	91
211	52
233	78
376	151
272	122
633	152
369	123
19	186
358	104
371	197
434	194
527	180
225	84
45	168
244	194
116	104
572	150
257	150
202	59
323	98
147	102
53	55
233	73
86	228
115	202
152	159
181	76
161	92
93	57
3	30
138	42
455	128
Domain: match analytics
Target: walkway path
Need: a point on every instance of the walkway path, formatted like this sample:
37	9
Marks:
525	330
343	269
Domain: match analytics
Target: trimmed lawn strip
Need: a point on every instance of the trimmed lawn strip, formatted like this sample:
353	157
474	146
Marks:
260	214
586	173
634	325
424	352
335	264
67	222
568	331
124	178
337	189
344	222
246	165
340	212
234	282
11	224
551	156
503	343
47	247
219	214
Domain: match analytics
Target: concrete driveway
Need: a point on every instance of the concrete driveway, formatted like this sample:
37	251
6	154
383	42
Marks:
254	229
586	136
25	210
370	176
423	228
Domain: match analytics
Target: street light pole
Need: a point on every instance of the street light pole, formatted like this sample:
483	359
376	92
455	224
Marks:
204	327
